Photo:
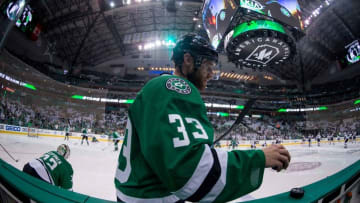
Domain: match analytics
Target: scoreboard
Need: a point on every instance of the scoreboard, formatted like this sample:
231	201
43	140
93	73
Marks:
28	22
254	33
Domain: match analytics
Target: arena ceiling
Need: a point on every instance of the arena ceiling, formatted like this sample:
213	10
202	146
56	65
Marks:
91	33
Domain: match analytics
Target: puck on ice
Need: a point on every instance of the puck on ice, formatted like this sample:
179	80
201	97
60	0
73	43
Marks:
297	193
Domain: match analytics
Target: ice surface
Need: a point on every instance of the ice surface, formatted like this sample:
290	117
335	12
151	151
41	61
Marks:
94	165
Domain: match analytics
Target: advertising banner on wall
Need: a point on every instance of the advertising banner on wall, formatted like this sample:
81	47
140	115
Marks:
12	128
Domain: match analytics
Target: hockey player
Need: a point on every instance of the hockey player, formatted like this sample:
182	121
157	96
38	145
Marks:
331	139
84	136
253	142
318	139
53	168
218	145
67	132
309	140
234	142
338	137
166	154
116	139
349	136
354	138
94	139
346	139
277	140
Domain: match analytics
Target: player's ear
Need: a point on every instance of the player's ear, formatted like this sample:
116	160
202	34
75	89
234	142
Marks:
188	60
187	64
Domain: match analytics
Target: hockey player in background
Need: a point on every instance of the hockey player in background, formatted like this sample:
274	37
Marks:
277	140
318	139
53	168
331	139
67	132
309	140
218	145
116	138
84	136
94	139
234	142
167	155
346	140
253	142
349	136
354	137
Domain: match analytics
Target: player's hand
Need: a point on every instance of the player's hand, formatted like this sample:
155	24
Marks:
276	157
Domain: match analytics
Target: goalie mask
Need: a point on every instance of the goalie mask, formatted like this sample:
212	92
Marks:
63	150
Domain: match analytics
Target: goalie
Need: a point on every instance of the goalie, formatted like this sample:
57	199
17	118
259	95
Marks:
52	168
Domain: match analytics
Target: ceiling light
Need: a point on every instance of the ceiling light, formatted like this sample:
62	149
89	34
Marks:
112	4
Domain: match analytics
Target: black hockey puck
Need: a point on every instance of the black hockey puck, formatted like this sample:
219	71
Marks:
297	193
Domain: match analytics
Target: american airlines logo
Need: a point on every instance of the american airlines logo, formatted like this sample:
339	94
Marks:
353	55
260	51
263	54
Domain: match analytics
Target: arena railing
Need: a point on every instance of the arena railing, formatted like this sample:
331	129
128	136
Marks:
17	186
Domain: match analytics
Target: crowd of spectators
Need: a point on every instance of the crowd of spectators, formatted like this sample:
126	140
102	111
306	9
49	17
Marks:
56	117
269	128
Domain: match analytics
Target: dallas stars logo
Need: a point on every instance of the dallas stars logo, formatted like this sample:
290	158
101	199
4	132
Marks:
178	85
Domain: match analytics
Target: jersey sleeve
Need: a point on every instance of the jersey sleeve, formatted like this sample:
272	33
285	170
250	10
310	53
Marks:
67	177
176	136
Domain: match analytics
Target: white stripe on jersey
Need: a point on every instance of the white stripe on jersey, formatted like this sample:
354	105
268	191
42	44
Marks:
220	184
125	198
41	170
202	169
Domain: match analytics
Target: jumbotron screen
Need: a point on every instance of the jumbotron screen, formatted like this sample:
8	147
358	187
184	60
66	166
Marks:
216	16
286	11
351	54
11	8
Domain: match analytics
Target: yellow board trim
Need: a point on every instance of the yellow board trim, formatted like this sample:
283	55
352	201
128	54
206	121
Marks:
121	141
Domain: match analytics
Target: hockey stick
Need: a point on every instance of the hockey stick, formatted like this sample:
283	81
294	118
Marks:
238	120
16	160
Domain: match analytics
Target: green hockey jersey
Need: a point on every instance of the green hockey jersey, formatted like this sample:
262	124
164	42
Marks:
166	155
234	142
58	168
115	136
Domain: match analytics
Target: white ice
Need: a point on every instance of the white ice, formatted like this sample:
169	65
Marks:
94	165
